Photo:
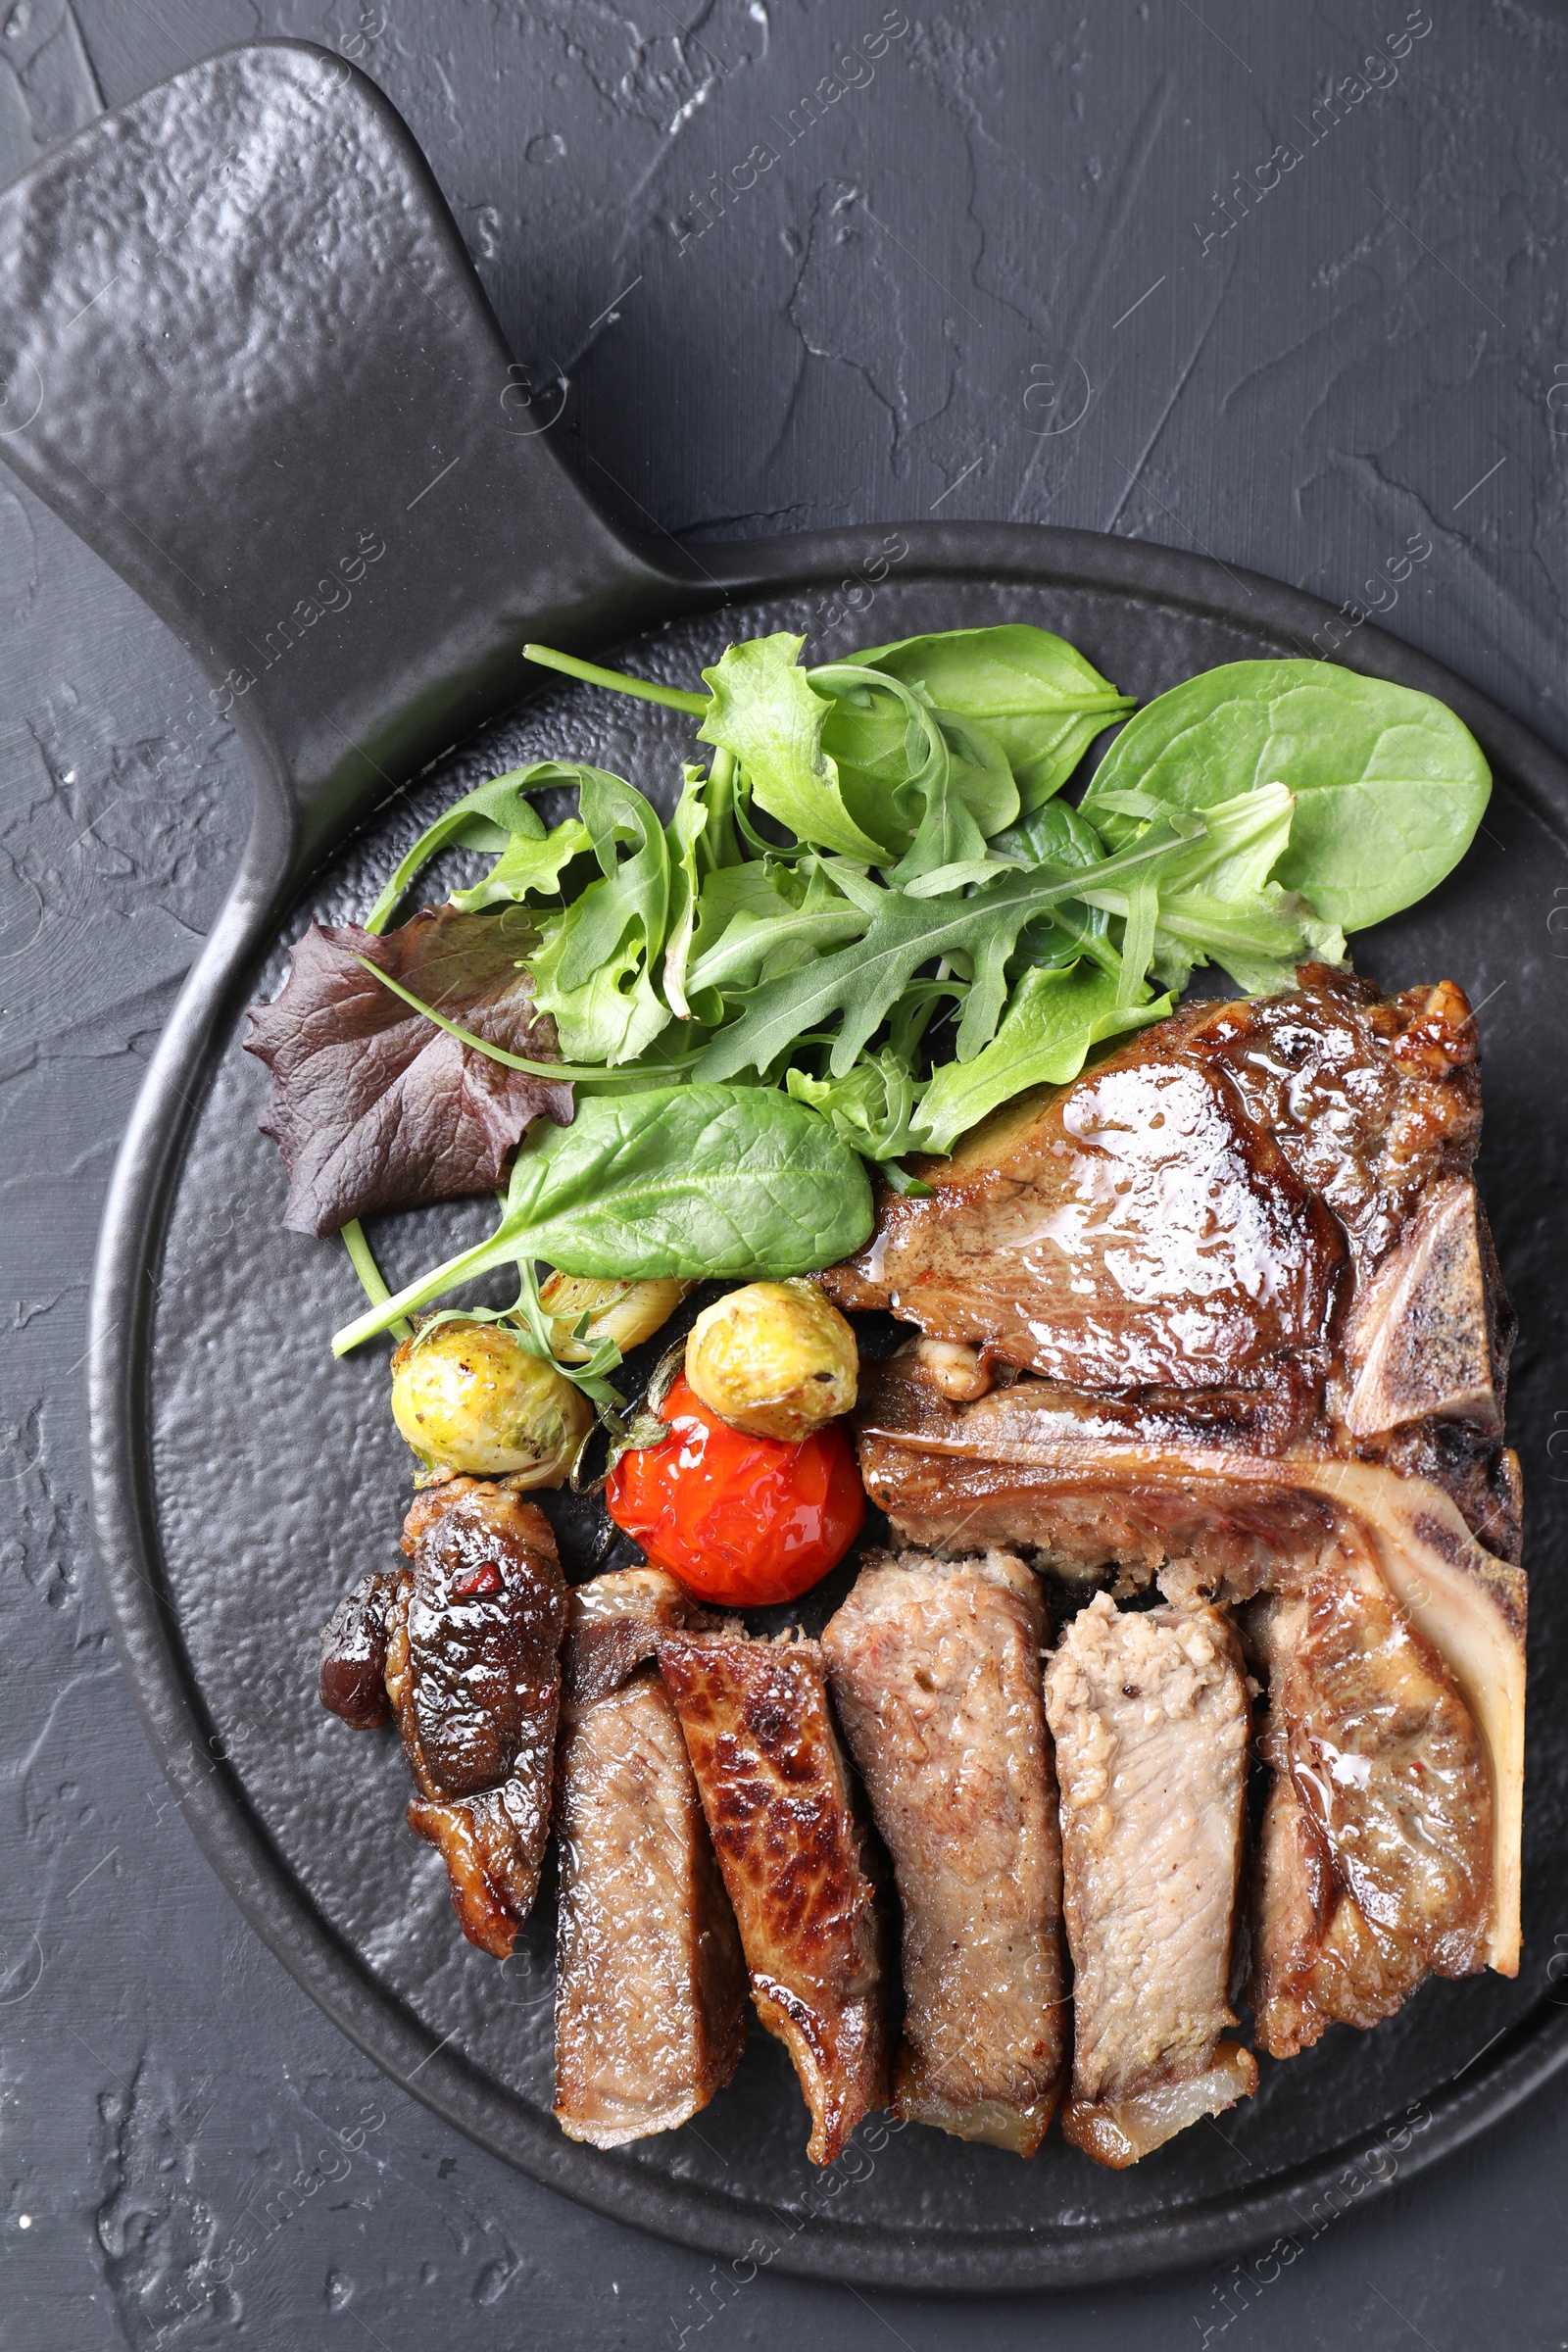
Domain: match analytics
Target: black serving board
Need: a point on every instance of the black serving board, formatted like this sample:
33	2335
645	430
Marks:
270	378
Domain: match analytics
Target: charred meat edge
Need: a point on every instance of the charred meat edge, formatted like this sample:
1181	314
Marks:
488	1603
776	1794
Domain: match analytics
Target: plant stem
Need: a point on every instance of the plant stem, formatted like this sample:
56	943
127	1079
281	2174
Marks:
574	1072
369	1274
614	681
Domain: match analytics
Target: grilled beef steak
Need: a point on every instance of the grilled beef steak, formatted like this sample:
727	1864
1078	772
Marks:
935	1671
776	1791
469	1641
1211	1330
1192	1212
1375	1864
1148	1710
650	1979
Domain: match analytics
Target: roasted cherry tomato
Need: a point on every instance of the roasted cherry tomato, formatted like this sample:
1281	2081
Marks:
738	1519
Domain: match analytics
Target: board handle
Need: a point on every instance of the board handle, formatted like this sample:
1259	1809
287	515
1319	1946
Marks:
245	355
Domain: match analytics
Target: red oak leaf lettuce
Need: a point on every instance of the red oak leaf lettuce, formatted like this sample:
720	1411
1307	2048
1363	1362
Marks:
373	1106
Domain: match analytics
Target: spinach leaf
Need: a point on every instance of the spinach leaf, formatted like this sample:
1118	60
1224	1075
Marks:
766	712
1053	1019
1389	785
1034	694
682	1182
1054	834
912	775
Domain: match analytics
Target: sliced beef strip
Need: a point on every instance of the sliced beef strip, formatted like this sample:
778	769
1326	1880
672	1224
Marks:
1150	1713
1374	1870
473	1673
776	1794
650	1976
935	1671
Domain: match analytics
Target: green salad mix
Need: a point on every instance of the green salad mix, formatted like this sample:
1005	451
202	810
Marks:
871	919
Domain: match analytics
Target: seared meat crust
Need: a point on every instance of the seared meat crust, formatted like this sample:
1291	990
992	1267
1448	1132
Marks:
776	1791
473	1673
1251	1225
1179	1215
935	1671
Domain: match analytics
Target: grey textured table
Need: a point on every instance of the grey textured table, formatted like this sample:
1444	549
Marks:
999	266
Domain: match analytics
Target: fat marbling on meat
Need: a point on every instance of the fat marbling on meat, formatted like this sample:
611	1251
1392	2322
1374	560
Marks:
1148	1710
650	1978
467	1642
935	1671
776	1794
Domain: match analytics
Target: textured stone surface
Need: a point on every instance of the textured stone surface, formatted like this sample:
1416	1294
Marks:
884	325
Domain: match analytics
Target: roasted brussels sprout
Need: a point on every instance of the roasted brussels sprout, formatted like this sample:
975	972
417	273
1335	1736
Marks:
472	1397
775	1359
627	1312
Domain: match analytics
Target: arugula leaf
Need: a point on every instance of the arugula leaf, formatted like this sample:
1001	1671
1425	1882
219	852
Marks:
371	1106
594	968
529	861
681	836
700	836
1033	694
862	983
1216	900
766	712
632	892
1053	1019
489	817
616	1015
770	934
683	1182
1389	785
